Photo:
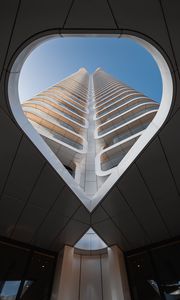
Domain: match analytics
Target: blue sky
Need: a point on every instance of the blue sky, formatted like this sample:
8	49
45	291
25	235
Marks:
59	57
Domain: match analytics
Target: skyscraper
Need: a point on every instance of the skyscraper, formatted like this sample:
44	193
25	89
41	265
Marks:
150	186
90	121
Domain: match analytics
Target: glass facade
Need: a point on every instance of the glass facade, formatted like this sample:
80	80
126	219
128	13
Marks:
155	273
25	273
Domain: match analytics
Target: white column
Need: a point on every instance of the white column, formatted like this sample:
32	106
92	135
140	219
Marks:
115	282
91	277
66	282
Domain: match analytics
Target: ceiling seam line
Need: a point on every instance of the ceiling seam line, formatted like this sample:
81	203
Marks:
112	14
170	169
65	225
12	163
137	219
166	122
85	223
172	116
47	213
10	38
28	198
98	222
8	115
24	245
68	13
169	36
159	245
74	242
152	198
39	227
5	58
118	228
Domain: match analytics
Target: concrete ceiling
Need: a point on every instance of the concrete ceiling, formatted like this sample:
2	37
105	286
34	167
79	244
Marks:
36	206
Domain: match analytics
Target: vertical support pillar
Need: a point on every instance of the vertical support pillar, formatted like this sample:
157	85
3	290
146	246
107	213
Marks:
91	277
66	283
116	275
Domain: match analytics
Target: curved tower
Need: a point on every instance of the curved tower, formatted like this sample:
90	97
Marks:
59	114
90	121
122	114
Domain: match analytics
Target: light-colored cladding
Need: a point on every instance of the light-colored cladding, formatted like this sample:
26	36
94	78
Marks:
60	116
90	122
121	115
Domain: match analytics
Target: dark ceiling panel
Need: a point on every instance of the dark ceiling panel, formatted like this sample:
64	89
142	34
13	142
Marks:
47	190
155	171
28	223
10	139
111	235
35	17
4	102
123	217
8	11
145	17
139	199
135	234
70	235
82	215
98	215
171	13
170	139
25	171
10	209
57	218
49	229
90	14
67	203
176	98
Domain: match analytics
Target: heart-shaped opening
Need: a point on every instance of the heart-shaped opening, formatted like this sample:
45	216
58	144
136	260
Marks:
91	126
